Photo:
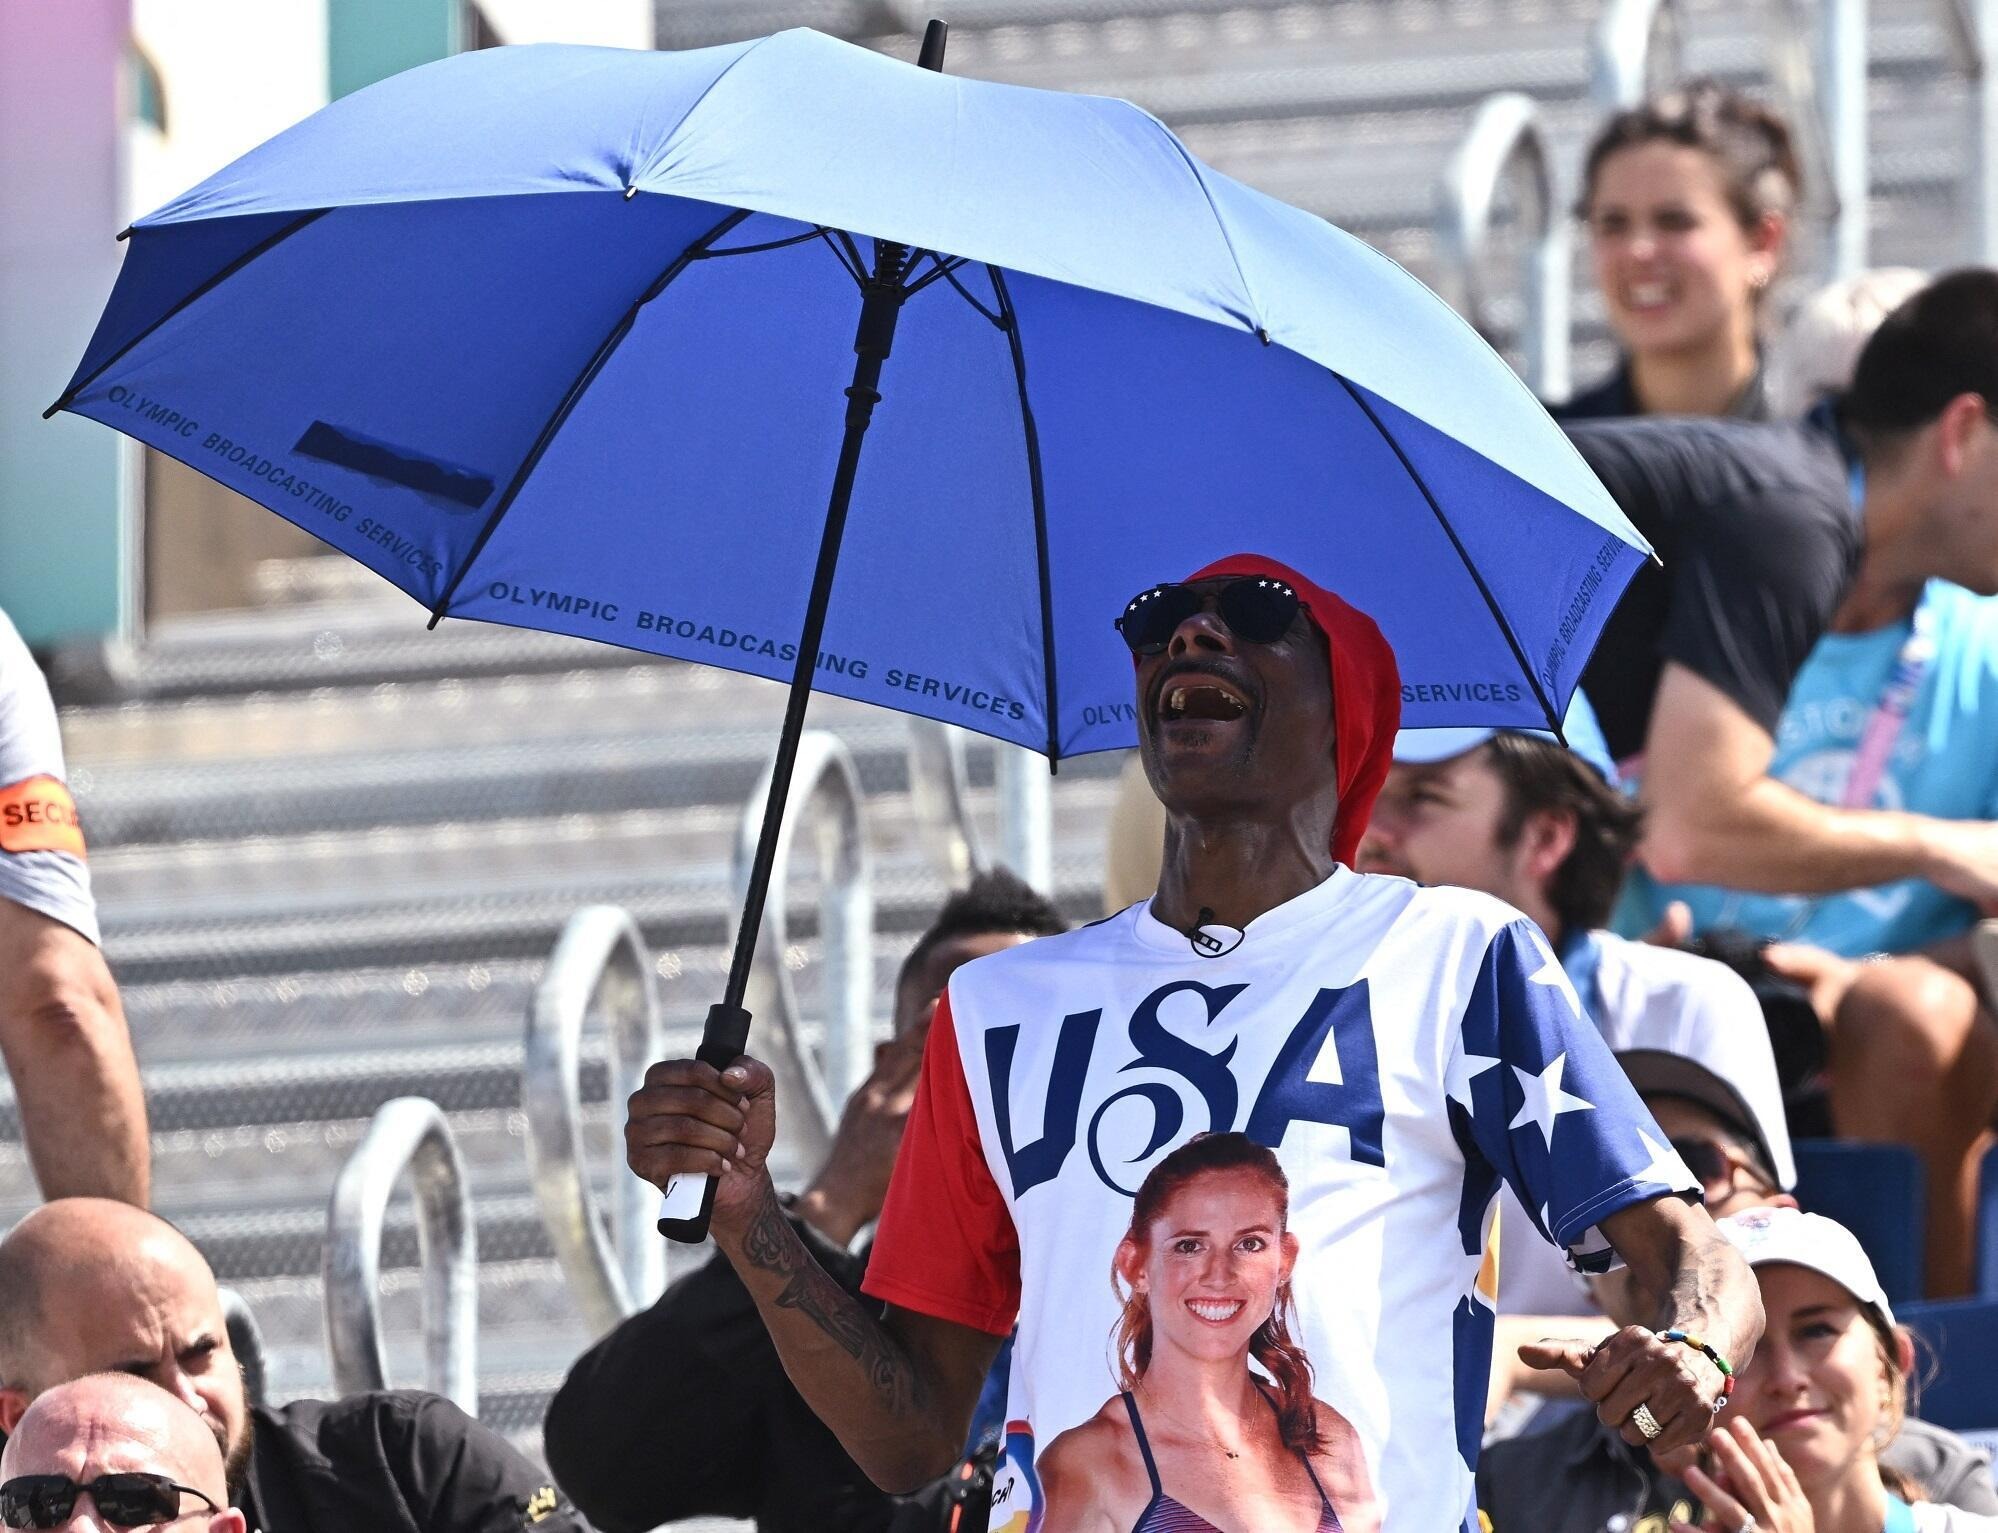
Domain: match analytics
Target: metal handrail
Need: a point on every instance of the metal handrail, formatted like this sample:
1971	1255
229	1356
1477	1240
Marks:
1638	49
824	772
1026	814
939	784
1506	138
940	792
1973	30
1836	83
407	1133
599	968
246	1340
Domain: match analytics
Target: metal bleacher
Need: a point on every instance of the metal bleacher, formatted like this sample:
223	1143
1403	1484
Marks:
333	851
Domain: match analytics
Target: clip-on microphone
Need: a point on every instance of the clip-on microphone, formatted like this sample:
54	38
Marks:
1210	939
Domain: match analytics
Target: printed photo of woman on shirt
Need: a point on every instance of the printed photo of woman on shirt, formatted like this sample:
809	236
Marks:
1197	1441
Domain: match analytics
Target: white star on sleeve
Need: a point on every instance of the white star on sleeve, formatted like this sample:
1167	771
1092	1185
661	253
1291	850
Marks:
1545	1100
1551	974
1665	1166
1463	1069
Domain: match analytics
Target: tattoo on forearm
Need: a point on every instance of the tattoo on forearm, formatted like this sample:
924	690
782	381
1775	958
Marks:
771	1245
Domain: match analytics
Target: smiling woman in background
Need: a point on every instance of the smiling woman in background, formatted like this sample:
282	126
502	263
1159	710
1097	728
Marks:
1688	199
1798	1449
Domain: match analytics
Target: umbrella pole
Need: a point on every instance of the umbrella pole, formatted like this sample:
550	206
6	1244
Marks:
690	1200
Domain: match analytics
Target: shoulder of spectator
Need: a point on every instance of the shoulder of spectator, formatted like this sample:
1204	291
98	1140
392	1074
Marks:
1948	1467
1704	987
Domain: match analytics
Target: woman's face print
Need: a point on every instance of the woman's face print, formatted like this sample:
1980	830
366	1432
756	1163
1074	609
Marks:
1212	1264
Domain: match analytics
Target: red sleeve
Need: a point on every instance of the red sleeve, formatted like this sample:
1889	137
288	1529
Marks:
945	1245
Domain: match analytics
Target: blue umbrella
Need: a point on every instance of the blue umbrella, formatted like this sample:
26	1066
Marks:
558	336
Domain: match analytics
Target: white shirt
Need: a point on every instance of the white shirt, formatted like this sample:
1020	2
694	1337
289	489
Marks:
1401	1049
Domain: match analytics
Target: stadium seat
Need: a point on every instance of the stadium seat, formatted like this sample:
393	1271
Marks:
1876	1191
1987	1225
1957	1340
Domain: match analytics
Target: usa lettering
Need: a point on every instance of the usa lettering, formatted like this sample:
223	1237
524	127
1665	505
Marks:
1338	1019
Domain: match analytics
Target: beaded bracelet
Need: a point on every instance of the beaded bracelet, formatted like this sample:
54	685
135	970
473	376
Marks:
1700	1344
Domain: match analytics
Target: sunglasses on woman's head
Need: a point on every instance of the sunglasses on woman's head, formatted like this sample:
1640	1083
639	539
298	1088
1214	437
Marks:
1256	608
124	1500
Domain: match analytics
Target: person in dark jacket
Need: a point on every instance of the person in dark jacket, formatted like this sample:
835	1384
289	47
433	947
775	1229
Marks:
684	1410
90	1286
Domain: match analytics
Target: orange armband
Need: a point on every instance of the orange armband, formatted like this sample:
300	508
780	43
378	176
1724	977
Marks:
38	815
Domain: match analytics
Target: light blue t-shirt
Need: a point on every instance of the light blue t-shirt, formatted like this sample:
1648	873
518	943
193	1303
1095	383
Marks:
1944	764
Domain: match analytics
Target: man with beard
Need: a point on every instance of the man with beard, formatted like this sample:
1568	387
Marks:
92	1286
1402	1050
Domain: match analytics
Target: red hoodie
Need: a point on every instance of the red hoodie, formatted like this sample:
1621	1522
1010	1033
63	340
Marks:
1366	693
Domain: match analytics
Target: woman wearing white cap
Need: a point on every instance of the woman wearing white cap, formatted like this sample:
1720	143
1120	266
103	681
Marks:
1798	1448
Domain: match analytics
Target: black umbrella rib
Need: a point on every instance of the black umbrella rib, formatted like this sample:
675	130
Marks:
734	250
574	397
1009	322
1512	641
269	242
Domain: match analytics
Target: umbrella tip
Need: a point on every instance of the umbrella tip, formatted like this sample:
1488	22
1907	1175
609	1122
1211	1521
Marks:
934	36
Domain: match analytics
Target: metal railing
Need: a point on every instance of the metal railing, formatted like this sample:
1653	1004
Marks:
826	777
408	1133
1972	26
246	1340
940	793
1638	50
1506	141
938	785
599	969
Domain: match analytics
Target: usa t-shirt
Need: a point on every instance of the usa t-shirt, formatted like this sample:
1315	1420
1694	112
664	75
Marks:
1944	763
1402	1050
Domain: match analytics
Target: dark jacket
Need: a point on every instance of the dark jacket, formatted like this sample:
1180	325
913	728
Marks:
1580	1477
685	1411
400	1461
1614	397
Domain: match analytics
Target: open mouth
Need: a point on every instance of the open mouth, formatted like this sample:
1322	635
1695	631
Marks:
1207	699
1648	297
1215	1311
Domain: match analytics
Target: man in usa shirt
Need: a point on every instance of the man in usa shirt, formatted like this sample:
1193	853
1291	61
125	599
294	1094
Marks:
1393	1054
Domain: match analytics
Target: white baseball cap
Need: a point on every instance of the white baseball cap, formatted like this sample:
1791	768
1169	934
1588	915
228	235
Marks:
1767	1235
1425	747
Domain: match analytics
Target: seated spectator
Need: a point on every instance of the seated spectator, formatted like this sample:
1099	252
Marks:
88	1285
693	1390
1687	199
1765	532
111	1450
1798	1446
1581	1477
1894	715
1513	814
62	1029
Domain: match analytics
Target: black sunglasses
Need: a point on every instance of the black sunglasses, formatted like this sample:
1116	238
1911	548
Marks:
129	1500
1256	609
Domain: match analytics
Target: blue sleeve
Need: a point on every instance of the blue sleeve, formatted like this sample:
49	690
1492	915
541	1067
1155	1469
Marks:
1544	1103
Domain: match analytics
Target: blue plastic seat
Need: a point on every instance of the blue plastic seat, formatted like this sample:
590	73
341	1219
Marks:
1958	1385
1877	1191
1987	1225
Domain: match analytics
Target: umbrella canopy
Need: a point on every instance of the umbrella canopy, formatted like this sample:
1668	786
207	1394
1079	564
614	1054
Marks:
557	337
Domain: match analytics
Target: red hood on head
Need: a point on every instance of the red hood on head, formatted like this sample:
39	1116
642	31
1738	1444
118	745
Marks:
1366	693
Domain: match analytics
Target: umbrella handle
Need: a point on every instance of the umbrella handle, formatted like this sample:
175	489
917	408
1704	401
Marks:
689	1200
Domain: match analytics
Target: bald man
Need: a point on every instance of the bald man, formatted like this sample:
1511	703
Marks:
90	1286
114	1451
